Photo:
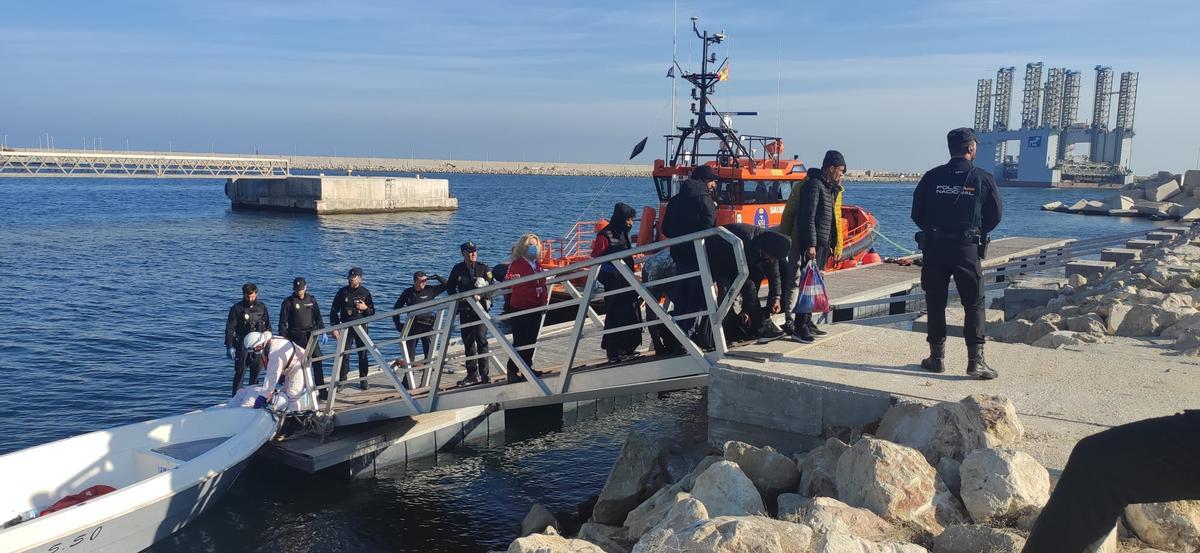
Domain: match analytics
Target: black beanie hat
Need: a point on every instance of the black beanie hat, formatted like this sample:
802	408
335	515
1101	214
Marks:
833	158
704	173
773	244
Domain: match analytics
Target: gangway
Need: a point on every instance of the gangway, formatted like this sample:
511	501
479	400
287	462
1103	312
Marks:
566	360
77	163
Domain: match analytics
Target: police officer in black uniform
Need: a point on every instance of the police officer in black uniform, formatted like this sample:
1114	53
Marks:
353	301
419	292
246	316
956	206
469	275
299	317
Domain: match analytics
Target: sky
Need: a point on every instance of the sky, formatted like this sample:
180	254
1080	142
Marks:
547	80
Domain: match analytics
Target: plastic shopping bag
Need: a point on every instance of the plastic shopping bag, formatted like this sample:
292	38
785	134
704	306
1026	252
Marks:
813	296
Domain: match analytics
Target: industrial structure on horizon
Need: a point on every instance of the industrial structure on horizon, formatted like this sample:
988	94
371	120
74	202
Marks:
1053	147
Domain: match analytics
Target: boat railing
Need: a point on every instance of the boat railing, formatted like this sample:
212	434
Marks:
419	382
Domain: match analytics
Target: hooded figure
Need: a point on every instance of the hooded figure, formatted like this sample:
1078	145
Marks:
765	252
619	309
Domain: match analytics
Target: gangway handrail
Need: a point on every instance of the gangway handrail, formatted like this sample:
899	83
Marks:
445	308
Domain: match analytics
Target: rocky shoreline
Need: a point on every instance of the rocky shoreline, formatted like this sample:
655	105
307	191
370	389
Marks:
1163	196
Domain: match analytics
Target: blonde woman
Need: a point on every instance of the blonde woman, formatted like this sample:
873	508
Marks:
529	295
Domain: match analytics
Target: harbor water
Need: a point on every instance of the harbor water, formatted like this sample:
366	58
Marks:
113	297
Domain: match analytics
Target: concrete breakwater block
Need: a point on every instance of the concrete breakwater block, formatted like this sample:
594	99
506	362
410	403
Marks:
1120	255
1094	207
1146	207
1052	206
1175	229
1088	269
1160	191
1123	213
341	194
1161	236
1141	244
1029	293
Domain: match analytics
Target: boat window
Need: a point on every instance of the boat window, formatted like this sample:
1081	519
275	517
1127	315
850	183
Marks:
754	192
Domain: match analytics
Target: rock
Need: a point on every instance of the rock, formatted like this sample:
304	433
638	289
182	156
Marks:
1189	342
1052	206
941	430
893	481
947	470
1190	323
1058	339
551	543
845	543
998	484
999	418
682	515
818	470
977	539
771	472
1045	324
688	481
629	482
1090	322
1106	545
1077	281
1011	332
730	534
536	521
1161	191
610	538
1115	317
1174	526
948	508
652	511
827	515
725	490
1142	320
791	506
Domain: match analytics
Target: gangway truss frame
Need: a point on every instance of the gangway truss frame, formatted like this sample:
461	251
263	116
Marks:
45	163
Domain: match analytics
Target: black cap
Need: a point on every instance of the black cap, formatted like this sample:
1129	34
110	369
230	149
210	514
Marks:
298	283
354	272
468	246
703	173
418	275
833	158
960	137
248	288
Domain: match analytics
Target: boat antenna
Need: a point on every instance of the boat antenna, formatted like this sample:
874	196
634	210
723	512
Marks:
674	62
778	84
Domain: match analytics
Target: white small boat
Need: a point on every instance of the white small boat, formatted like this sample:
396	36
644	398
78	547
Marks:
165	472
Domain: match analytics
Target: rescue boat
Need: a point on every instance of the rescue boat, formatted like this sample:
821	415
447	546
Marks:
754	177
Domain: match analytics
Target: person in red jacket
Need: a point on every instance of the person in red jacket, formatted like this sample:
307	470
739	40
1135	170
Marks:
525	327
622	309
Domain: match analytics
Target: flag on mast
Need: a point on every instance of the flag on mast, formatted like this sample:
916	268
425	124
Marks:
723	74
671	72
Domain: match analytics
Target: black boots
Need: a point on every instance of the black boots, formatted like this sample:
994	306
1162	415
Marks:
977	366
933	363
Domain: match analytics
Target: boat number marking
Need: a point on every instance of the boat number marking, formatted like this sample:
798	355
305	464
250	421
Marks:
77	540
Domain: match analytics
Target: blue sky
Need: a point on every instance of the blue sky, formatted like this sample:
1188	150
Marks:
572	81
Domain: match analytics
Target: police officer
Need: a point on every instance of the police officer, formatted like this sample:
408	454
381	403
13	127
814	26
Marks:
419	292
299	317
353	301
469	275
246	316
956	205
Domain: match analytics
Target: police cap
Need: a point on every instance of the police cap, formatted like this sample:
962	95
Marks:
299	283
468	246
960	137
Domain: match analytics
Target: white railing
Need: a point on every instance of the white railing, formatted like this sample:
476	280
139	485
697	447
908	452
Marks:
32	163
426	392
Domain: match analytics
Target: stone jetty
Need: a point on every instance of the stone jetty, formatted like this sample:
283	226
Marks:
1165	195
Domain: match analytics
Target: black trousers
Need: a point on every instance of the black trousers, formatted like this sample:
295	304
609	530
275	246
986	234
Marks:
959	260
474	343
239	367
300	338
419	327
354	341
689	298
823	254
525	329
1149	461
620	310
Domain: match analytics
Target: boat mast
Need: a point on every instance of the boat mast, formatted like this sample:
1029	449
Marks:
704	83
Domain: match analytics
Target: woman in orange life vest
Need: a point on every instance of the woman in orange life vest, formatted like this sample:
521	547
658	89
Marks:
525	328
625	308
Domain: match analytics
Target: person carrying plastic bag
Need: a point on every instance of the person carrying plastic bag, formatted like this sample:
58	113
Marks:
814	298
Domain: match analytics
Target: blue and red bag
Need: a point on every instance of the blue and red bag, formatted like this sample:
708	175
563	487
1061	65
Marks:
813	296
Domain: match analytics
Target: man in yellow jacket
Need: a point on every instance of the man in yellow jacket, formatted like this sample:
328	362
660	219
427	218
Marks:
812	217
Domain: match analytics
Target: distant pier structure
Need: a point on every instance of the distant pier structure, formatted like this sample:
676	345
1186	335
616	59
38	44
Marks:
1051	147
328	195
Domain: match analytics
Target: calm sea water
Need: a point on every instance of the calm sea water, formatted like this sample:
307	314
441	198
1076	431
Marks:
113	295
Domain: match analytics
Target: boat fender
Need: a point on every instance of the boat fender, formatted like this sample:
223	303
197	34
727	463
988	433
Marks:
646	230
871	257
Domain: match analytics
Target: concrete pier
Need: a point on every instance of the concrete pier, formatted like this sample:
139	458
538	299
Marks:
325	195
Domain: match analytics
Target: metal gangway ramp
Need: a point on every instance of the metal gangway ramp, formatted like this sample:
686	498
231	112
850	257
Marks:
80	163
565	355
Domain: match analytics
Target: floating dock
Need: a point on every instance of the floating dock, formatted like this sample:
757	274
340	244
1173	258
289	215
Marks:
327	195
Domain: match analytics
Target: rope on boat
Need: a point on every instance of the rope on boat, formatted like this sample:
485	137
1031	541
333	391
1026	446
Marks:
893	242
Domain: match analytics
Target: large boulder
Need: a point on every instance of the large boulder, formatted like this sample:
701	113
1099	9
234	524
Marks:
948	509
1011	332
1001	425
651	511
630	481
818	470
683	514
610	538
1058	339
1174	526
947	429
772	473
1159	191
731	534
828	515
725	490
1087	323
1142	320
792	506
948	472
1044	325
999	484
893	481
977	539
536	521
551	543
846	543
1115	317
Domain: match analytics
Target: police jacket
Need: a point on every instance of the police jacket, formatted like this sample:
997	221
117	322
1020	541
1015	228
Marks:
343	309
410	296
244	318
462	278
944	199
814	224
724	266
298	315
691	210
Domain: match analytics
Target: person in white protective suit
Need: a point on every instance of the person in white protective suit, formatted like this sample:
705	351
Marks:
284	365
